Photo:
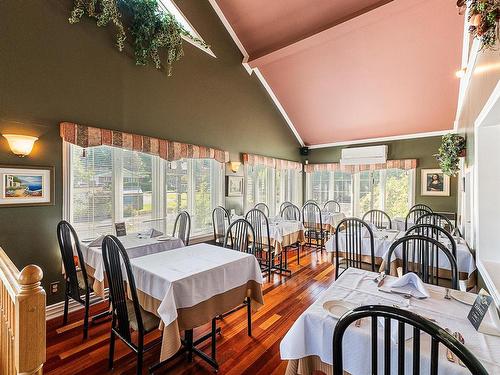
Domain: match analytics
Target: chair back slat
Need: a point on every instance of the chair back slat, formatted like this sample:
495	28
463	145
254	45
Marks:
239	235
419	324
435	232
421	254
69	246
421	206
220	222
262	207
291	212
354	231
332	206
378	218
182	227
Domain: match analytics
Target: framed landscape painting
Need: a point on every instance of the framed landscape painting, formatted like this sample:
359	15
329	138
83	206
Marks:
26	186
435	182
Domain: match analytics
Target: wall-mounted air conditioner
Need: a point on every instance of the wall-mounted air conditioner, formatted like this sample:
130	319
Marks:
364	155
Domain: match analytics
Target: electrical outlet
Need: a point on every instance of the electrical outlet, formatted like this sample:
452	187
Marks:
54	287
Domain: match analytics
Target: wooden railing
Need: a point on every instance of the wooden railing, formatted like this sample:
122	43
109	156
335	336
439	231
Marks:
22	319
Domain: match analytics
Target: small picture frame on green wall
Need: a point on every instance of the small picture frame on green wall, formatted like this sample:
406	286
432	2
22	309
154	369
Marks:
435	183
26	186
234	186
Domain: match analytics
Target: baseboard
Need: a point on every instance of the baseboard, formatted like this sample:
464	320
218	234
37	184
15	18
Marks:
57	309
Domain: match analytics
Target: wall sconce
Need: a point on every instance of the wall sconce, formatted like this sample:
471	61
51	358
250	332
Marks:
234	165
20	145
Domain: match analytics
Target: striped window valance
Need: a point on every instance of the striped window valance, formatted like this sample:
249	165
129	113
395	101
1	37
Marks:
87	136
405	164
281	164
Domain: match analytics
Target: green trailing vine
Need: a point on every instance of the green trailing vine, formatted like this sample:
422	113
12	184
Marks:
451	149
152	29
483	19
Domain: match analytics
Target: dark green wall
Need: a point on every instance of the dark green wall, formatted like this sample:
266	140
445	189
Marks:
422	149
51	71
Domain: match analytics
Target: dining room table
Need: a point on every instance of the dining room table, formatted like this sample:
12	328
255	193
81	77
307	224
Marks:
384	238
307	346
136	245
189	286
330	220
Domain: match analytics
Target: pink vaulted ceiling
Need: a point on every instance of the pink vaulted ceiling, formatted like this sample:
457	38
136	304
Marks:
383	68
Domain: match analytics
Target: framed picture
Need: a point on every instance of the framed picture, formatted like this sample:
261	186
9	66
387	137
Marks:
234	186
435	182
26	186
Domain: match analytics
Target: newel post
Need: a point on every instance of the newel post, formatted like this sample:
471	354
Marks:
30	328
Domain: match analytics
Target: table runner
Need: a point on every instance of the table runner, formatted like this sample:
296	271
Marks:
187	287
135	246
312	333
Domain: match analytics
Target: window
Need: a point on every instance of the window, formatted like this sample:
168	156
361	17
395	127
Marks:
110	185
390	190
288	187
170	6
258	187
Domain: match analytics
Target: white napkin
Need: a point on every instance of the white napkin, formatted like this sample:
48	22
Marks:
155	233
97	242
410	283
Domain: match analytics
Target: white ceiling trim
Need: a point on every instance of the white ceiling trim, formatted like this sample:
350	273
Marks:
249	69
381	139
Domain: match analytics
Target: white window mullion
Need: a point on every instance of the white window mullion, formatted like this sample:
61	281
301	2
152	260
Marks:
117	185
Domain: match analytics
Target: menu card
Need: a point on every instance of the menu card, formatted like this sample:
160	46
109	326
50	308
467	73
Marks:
479	308
121	229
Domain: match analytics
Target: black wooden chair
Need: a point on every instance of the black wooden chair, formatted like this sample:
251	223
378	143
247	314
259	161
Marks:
420	255
354	231
76	280
264	251
437	335
220	222
421	206
127	313
313	226
238	236
435	232
291	212
332	206
436	219
283	206
378	218
262	207
413	215
182	227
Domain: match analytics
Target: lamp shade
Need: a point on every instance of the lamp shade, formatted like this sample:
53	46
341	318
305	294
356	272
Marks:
20	144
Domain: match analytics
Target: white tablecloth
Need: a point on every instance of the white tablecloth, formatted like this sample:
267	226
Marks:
187	276
332	219
312	333
135	246
278	228
399	223
383	239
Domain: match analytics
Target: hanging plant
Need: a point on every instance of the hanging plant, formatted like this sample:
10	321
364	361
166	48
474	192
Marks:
153	30
484	16
451	149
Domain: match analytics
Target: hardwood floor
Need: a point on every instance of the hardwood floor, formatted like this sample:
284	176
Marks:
284	300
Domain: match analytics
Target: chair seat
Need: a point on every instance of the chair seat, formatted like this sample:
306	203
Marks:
150	321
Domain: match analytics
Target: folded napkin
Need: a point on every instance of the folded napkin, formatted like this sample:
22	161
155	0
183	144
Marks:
411	284
97	242
155	233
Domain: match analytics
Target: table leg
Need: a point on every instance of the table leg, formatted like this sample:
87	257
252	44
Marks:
188	336
249	316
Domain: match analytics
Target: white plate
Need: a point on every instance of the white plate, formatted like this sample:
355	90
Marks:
464	297
338	308
87	240
163	238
